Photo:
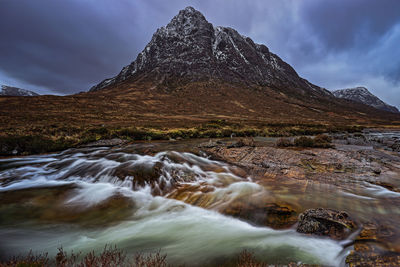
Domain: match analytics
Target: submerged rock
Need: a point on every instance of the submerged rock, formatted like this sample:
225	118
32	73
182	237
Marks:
373	259
274	215
326	222
370	247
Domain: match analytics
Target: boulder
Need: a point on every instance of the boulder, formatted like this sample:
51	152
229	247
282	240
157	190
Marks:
326	222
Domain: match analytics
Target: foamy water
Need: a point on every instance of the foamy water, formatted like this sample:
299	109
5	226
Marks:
89	179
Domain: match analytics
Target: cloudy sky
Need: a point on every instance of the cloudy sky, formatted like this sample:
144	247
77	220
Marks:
64	47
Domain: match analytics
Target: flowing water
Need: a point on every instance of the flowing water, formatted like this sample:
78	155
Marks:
150	197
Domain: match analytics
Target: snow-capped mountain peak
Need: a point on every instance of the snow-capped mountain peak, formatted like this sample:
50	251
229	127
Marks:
363	95
14	91
190	48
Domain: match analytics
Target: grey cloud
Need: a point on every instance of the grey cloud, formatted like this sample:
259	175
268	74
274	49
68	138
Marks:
340	24
67	46
64	45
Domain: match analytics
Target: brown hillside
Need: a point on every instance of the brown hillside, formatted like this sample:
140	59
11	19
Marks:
142	104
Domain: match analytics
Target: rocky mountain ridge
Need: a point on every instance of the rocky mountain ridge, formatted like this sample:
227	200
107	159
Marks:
364	96
190	48
14	91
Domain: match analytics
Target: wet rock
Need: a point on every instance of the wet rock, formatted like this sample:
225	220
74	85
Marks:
396	146
143	174
357	141
309	153
333	166
326	222
242	142
210	144
356	259
107	142
265	164
371	231
53	205
376	170
388	186
369	249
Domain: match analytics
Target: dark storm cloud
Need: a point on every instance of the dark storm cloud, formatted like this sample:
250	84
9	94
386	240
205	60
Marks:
343	24
67	46
357	43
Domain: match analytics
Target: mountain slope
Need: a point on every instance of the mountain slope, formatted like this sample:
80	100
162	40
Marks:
362	95
190	49
14	91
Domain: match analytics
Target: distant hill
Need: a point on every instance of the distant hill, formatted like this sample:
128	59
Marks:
14	91
362	95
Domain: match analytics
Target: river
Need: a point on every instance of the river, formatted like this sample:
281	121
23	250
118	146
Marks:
155	196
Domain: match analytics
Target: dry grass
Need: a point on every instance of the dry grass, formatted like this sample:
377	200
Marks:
112	256
41	139
156	260
135	112
247	259
30	260
184	107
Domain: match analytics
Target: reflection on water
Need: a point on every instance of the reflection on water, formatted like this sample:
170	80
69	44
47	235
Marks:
143	200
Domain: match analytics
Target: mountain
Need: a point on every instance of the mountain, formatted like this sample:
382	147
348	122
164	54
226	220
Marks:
14	91
362	95
192	75
191	49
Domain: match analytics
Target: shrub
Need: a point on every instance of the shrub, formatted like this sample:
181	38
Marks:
284	142
110	256
100	131
245	142
29	260
321	141
323	138
87	138
177	133
151	260
227	132
31	144
304	141
212	134
134	133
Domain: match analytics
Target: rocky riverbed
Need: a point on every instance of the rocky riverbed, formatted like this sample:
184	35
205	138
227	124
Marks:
360	177
203	201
